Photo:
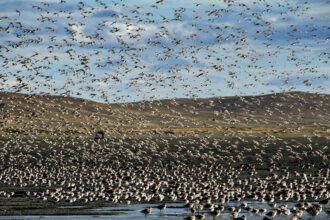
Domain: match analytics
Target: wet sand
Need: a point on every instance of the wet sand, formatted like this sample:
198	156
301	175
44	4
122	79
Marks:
121	177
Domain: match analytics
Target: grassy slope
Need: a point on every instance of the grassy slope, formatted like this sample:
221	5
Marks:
281	112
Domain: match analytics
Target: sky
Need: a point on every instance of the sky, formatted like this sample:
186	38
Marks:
127	51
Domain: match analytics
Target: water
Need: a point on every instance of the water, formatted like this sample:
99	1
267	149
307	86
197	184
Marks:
173	211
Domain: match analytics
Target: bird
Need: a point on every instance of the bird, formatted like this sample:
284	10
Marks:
212	103
191	217
147	211
215	213
272	213
243	217
99	136
233	214
162	206
200	216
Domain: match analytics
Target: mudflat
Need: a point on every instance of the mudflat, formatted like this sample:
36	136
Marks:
41	176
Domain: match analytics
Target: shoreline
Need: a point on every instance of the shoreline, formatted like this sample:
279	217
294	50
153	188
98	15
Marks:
51	177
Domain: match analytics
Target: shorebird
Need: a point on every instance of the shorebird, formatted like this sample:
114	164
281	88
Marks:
294	217
162	207
215	213
192	217
272	213
313	211
200	216
147	211
243	217
233	214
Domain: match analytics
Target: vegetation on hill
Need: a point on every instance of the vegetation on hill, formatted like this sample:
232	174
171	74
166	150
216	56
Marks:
44	114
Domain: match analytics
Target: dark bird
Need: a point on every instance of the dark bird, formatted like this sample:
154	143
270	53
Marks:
99	136
147	211
162	206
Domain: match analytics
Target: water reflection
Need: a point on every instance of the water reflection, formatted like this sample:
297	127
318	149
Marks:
174	211
177	211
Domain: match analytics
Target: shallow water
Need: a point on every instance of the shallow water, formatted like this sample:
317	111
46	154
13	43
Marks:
173	211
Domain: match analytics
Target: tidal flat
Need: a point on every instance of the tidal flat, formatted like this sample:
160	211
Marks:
222	177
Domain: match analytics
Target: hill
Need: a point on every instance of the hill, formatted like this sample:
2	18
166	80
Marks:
51	114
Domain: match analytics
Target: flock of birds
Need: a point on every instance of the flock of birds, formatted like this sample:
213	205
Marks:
206	175
55	115
118	51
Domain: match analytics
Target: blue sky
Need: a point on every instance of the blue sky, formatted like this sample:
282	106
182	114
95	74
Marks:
127	51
